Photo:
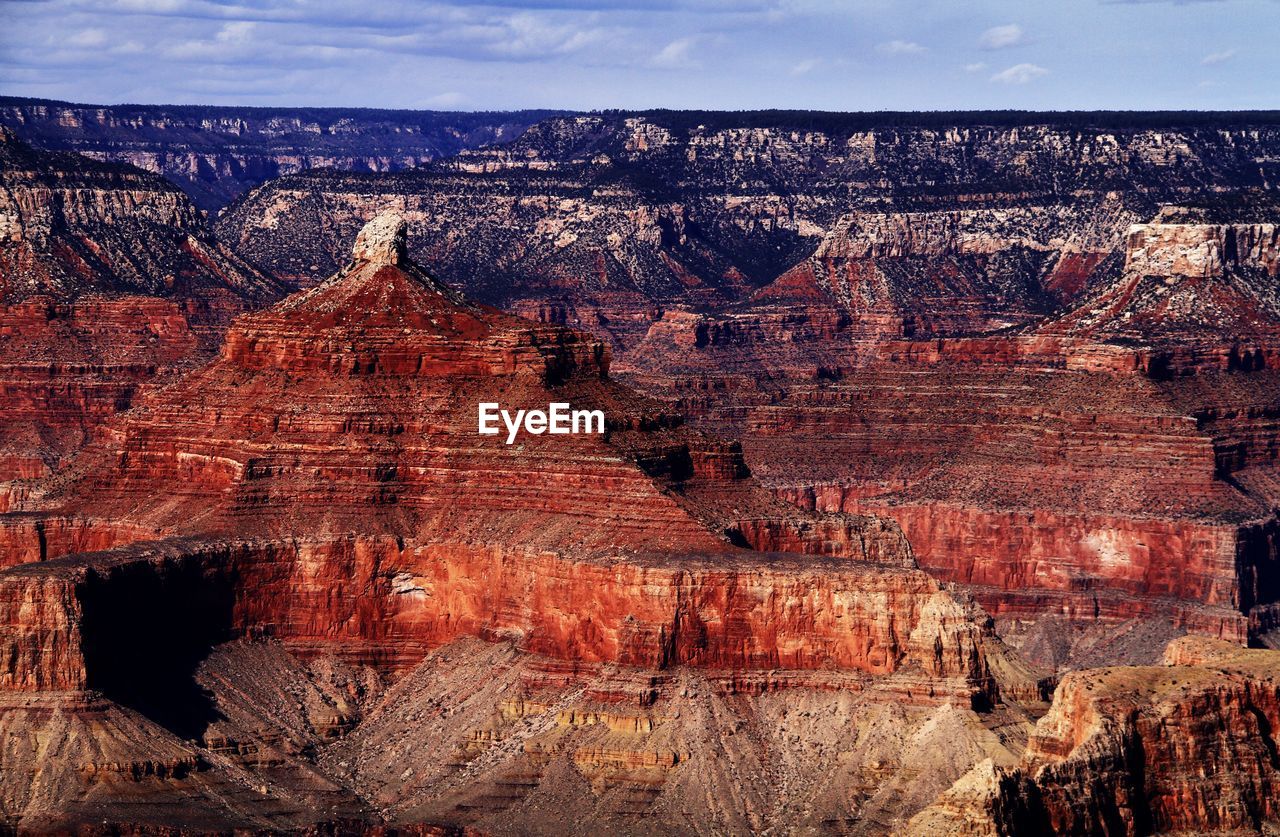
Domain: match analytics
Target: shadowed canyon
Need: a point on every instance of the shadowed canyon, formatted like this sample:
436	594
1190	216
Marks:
936	495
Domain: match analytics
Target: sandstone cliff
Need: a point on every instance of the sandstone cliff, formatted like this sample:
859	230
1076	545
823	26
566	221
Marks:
1188	747
108	279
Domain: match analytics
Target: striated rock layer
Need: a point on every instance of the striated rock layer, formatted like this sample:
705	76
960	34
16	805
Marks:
108	279
1113	462
1188	747
1047	350
928	224
323	484
216	153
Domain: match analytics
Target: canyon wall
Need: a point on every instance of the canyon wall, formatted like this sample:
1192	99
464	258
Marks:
72	624
216	153
986	332
213	594
1187	747
109	279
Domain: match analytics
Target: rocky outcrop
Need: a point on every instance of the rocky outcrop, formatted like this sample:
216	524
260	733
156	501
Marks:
69	623
1190	285
70	226
217	153
1188	747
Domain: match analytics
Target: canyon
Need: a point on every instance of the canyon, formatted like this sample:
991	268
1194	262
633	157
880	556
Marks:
324	500
935	495
986	333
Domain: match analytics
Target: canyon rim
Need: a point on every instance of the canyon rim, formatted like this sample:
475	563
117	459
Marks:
598	445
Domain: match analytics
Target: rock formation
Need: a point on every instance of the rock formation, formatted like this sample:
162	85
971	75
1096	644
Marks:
992	333
322	485
1109	463
997	384
108	279
1187	747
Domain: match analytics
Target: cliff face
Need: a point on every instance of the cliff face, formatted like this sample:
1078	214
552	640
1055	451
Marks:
322	484
217	153
698	209
108	278
1188	747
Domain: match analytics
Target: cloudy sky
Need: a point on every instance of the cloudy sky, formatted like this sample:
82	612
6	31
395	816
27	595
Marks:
587	54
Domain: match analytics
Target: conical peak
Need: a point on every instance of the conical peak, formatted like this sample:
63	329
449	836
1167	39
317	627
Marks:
383	240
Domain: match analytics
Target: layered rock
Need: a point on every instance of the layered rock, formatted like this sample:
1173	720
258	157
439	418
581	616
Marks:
1110	463
916	323
217	153
108	279
1188	747
71	226
698	210
323	484
630	754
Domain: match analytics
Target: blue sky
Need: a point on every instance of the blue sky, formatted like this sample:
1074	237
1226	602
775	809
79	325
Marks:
586	54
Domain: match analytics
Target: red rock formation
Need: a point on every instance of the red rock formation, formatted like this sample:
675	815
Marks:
390	366
67	624
1189	747
108	279
1086	472
323	484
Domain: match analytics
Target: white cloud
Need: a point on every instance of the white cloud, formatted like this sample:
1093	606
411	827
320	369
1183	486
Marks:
148	6
898	47
1020	74
1218	57
446	101
675	55
1001	37
975	67
238	32
806	66
87	38
524	36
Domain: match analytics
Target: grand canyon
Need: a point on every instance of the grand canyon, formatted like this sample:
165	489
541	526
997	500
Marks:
937	492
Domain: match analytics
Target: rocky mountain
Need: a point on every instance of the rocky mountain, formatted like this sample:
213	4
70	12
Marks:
109	277
217	153
600	623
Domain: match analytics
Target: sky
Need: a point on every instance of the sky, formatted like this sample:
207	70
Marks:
596	54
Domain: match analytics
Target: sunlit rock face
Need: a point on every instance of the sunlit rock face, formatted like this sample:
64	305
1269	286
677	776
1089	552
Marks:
319	494
1047	351
109	279
1183	747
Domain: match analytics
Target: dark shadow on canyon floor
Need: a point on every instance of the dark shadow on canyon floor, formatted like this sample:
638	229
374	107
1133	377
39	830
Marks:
146	629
